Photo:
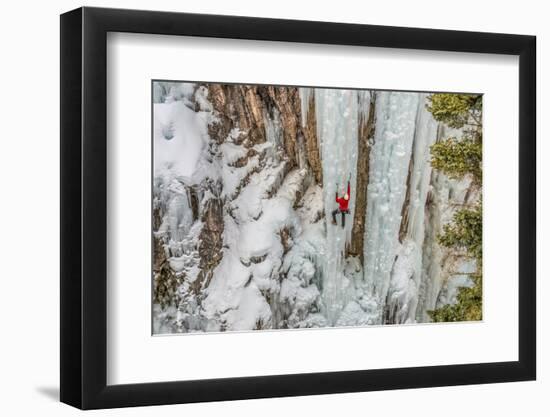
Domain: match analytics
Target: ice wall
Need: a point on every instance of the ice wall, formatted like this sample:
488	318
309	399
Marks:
337	130
403	293
389	163
408	203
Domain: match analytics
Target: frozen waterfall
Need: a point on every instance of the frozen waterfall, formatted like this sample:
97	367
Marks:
398	187
337	131
403	292
405	269
389	164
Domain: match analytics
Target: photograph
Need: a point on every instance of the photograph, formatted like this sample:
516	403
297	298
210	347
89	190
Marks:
285	207
268	209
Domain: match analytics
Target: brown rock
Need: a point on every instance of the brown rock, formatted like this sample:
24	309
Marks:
366	136
312	147
211	240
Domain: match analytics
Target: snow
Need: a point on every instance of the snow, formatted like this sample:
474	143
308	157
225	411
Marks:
179	139
231	152
252	234
402	289
354	315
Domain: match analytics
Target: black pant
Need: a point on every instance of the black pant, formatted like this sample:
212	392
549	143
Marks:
344	212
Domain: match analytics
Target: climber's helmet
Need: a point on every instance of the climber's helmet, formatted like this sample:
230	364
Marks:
346	197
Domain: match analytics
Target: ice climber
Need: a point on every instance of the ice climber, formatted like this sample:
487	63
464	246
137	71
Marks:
343	203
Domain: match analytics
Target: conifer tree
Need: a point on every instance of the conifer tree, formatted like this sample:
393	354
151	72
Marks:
459	158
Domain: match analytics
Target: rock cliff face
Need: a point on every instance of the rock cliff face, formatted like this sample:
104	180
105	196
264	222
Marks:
254	109
211	239
244	184
365	142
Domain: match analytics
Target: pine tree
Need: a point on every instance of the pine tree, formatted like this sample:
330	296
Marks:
456	110
464	233
459	158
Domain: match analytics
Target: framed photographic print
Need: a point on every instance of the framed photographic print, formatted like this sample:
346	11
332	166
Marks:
257	207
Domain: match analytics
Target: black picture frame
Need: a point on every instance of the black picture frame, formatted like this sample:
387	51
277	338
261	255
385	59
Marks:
84	207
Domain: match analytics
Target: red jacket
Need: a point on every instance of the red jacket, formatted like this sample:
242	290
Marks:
342	202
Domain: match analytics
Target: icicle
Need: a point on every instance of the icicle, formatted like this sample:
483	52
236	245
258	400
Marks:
389	162
404	287
363	100
337	130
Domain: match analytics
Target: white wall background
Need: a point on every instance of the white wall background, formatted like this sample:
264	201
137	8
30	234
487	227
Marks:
29	219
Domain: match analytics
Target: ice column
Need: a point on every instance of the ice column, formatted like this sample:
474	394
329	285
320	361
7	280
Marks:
337	130
389	164
403	293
